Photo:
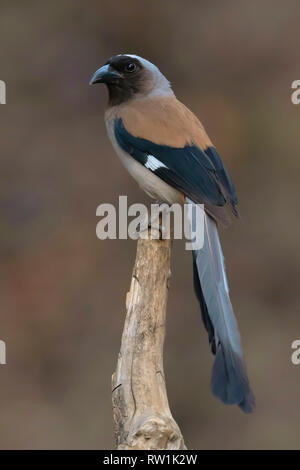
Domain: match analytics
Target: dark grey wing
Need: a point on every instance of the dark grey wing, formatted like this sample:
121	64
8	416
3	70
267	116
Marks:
198	174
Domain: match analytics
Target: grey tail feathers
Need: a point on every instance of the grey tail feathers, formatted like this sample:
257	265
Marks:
229	381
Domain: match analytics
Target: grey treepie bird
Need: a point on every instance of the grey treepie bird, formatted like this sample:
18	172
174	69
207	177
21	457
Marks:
167	151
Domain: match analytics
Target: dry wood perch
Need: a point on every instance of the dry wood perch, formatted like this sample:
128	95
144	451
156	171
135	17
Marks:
141	412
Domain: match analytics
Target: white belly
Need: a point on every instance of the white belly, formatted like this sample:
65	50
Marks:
146	179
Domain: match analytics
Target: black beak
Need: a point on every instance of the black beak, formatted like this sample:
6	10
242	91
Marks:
105	74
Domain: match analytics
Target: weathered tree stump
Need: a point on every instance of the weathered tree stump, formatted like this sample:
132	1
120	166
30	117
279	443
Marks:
141	412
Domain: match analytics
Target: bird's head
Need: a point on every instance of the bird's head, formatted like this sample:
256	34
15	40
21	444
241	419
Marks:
129	76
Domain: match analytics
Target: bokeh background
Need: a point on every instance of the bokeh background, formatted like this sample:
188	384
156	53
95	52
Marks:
62	291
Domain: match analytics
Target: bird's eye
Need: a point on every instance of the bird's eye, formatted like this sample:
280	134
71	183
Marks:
131	67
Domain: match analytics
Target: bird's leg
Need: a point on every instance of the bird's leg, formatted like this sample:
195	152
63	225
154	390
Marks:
158	222
160	219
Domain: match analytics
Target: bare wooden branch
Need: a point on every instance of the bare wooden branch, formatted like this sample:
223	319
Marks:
142	416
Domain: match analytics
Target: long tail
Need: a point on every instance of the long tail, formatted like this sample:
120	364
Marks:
229	380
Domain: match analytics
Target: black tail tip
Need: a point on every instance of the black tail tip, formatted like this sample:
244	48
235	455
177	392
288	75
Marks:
229	381
248	403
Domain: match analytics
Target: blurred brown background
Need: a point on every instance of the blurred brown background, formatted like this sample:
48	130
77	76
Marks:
62	291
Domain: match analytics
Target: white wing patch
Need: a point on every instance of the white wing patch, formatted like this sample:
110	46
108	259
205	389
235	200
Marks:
153	164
